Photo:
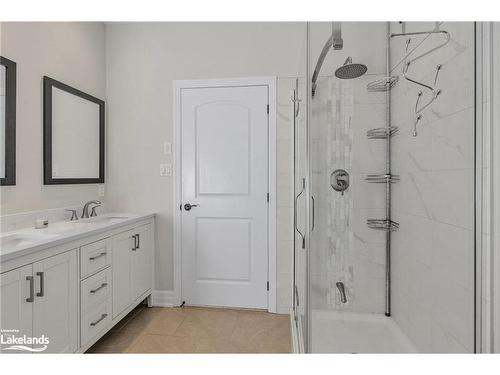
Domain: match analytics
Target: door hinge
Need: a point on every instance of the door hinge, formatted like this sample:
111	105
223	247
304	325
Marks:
267	109
267	286
267	197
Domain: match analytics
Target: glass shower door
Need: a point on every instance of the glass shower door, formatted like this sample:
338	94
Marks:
300	210
347	259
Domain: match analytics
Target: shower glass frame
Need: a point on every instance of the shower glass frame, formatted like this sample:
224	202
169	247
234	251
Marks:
478	292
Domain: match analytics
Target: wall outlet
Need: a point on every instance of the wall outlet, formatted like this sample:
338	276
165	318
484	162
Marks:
166	170
100	190
167	148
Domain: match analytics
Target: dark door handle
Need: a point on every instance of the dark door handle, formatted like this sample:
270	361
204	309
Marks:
135	242
41	292
188	206
31	298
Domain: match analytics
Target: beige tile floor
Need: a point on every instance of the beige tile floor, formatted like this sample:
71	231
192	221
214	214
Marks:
197	330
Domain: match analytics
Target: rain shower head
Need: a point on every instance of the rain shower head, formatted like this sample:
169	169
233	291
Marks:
350	70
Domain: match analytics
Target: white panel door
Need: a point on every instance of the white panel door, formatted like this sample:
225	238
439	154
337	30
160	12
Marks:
16	306
224	172
55	310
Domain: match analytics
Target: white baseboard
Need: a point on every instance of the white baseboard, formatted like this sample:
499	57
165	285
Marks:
164	298
282	310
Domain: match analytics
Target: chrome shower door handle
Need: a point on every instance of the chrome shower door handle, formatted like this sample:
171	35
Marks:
31	298
42	288
295	214
313	213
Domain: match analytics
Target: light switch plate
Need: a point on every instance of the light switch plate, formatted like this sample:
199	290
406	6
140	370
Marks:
100	190
166	170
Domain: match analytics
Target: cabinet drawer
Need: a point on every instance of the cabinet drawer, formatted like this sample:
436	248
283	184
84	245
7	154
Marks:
95	290
95	321
94	257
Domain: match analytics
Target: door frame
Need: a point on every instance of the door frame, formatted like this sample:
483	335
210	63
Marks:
179	85
487	203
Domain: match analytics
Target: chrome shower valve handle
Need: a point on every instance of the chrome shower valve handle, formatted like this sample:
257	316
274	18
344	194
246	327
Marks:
339	180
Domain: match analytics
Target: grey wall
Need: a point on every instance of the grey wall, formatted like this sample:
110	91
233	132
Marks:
142	61
73	53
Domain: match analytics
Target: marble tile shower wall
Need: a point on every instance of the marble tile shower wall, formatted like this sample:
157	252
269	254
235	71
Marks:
343	248
433	251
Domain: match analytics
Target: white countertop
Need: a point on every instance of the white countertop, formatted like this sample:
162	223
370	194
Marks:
21	242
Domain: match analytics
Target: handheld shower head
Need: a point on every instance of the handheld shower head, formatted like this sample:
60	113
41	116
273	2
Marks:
350	70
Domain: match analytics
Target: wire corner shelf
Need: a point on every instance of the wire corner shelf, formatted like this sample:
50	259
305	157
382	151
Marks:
382	224
382	133
382	178
382	85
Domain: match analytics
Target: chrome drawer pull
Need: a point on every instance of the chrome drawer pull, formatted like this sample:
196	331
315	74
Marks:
103	285
97	256
103	316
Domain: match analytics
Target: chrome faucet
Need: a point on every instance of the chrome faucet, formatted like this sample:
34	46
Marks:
92	212
85	212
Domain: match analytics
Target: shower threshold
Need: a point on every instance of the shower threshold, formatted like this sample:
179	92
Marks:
347	332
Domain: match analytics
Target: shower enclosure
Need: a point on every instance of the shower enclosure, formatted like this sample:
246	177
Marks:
384	171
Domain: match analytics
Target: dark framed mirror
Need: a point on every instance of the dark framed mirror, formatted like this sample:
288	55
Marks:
73	135
7	122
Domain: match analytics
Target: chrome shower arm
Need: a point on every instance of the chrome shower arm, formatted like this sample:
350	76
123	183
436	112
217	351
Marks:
336	42
319	63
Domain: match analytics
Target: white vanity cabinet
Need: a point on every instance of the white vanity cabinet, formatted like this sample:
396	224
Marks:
132	273
76	291
141	260
42	299
16	308
55	309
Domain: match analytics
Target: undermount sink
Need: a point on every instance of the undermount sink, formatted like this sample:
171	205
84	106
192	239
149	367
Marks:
61	227
22	239
104	219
